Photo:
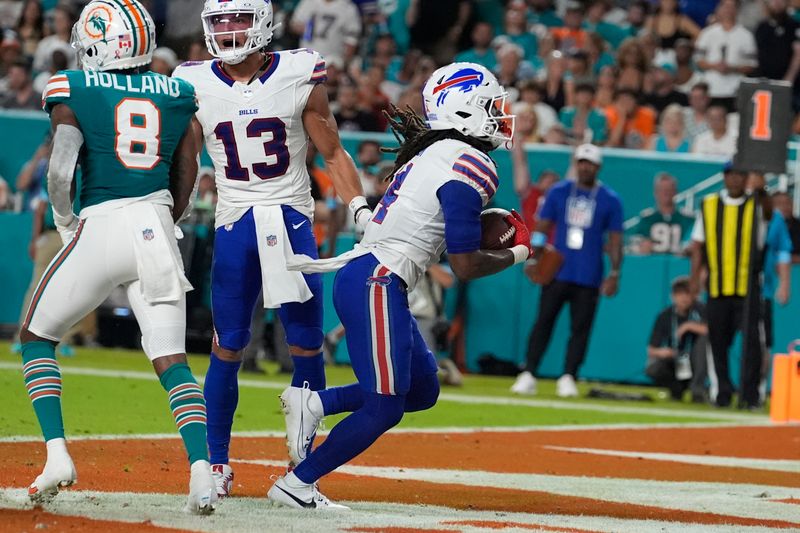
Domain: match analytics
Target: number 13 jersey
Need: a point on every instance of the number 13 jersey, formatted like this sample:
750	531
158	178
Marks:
254	132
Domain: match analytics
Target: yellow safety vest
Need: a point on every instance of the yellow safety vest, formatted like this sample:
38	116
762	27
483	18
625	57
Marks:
729	238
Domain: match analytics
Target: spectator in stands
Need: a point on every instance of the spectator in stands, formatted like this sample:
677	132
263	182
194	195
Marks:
331	27
582	213
783	204
531	195
349	117
726	51
695	116
669	24
584	122
30	27
606	87
63	20
676	352
10	53
526	124
673	133
557	134
437	26
368	155
57	63
554	94
412	98
20	86
663	229
686	75
371	96
578	72
596	23
531	92
571	34
516	31
719	139
632	65
630	124
778	42
638	11
542	12
385	54
480	53
31	178
597	49
511	69
663	92
164	61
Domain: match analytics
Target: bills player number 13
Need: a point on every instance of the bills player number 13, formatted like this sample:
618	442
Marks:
275	147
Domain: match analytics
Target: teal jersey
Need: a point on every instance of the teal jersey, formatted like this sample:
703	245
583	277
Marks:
486	59
595	121
131	125
667	232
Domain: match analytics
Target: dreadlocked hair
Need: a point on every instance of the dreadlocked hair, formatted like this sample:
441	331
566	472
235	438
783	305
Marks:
414	136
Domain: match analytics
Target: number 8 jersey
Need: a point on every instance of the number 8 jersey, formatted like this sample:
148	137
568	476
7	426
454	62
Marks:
254	132
131	124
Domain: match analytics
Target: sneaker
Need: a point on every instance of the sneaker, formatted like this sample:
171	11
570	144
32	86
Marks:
301	421
298	495
202	490
59	471
566	387
525	384
223	479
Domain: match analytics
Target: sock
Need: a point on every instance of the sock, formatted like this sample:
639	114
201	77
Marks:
43	381
222	396
352	435
188	409
311	369
341	399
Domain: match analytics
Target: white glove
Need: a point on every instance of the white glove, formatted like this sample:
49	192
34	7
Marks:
66	226
178	232
361	212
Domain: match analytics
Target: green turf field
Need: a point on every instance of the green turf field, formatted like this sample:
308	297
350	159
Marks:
116	392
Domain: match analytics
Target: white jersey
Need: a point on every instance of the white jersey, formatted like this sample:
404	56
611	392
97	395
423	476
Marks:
254	133
406	233
330	25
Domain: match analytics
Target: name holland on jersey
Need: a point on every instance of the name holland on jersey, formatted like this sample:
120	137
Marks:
139	84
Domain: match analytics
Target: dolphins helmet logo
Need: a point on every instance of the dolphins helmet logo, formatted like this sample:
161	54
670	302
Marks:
464	80
97	22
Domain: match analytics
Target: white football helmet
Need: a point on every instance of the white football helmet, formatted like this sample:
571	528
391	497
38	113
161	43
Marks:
111	35
259	34
468	98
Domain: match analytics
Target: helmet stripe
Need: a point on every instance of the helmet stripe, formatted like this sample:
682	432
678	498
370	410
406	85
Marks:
130	20
146	25
140	22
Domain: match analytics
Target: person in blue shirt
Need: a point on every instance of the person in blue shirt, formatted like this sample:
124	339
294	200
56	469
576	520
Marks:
582	212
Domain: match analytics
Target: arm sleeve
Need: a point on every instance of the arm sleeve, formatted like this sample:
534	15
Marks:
57	91
461	206
319	74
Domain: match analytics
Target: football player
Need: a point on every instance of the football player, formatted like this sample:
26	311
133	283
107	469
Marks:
443	177
131	131
257	112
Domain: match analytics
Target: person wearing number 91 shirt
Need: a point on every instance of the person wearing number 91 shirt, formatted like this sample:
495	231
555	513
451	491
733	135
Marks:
443	177
257	110
131	131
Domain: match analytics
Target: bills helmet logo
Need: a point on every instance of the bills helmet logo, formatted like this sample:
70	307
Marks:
148	234
382	281
272	240
464	80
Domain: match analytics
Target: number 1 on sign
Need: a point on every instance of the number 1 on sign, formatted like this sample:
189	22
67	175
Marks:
762	109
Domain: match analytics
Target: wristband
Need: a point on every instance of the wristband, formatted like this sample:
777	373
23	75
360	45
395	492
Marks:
538	239
521	253
357	203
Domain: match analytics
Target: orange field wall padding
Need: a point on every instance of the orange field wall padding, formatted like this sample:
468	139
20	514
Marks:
794	387
779	399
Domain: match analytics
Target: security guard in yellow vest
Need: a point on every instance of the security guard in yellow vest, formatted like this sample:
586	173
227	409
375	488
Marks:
728	240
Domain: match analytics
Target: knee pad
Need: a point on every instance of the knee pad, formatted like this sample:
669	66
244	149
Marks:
233	340
303	336
166	339
385	410
423	393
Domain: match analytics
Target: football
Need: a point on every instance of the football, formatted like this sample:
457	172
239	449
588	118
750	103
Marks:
496	233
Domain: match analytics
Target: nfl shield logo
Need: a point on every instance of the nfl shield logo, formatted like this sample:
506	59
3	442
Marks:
148	234
272	240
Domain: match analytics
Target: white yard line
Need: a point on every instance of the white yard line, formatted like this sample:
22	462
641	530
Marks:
742	500
455	398
778	465
256	514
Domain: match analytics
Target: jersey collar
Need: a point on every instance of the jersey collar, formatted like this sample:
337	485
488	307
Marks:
216	68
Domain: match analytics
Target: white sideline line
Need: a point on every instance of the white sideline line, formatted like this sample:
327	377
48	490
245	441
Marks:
448	397
734	499
778	465
414	431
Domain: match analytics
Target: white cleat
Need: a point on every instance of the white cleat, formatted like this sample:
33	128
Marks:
301	420
223	479
202	490
59	471
525	384
298	495
566	387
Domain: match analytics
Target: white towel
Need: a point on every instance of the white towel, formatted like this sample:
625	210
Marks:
280	286
157	257
306	264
